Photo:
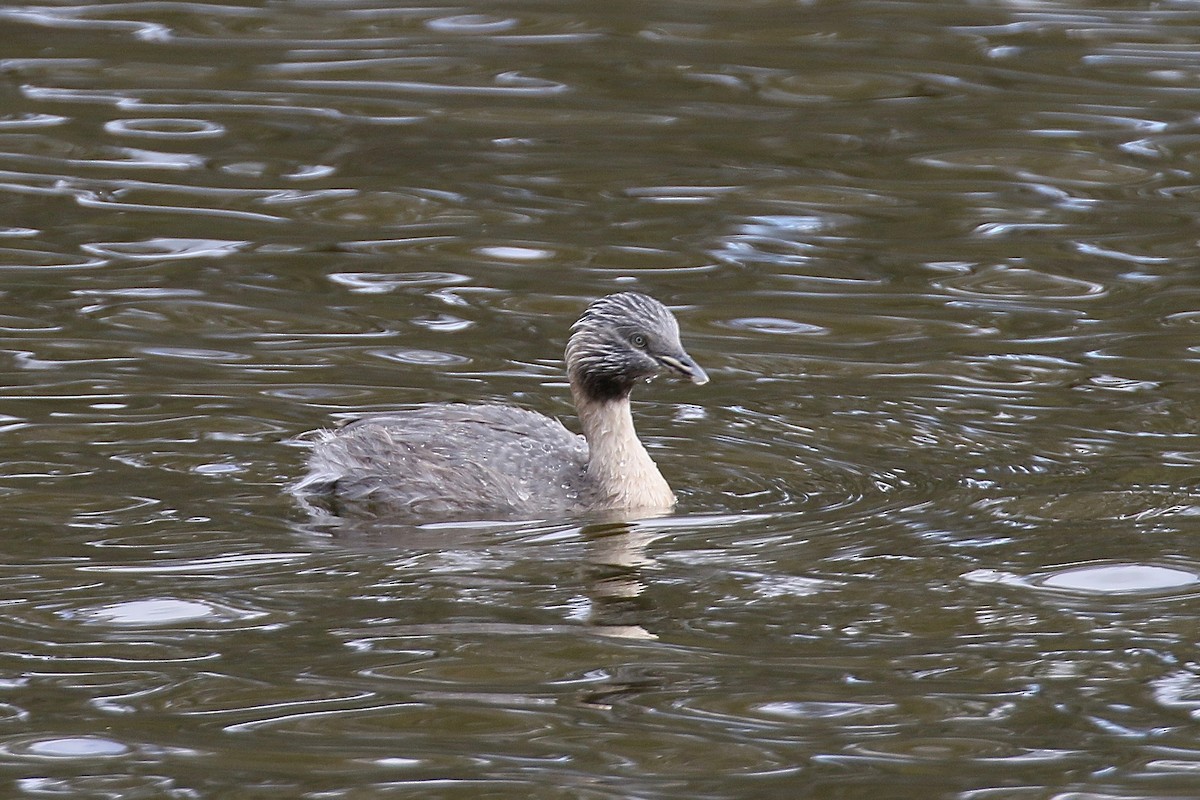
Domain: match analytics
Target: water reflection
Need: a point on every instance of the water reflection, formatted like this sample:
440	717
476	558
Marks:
616	557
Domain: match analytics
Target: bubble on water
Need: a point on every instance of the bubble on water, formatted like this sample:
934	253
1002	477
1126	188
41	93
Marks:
217	469
472	23
1119	578
1105	578
74	747
509	253
774	325
420	357
165	128
156	611
382	283
162	248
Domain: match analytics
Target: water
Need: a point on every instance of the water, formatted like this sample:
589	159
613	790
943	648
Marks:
936	531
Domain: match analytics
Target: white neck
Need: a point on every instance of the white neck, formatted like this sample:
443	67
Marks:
620	469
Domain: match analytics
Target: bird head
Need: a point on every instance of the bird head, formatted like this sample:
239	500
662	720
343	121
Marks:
622	339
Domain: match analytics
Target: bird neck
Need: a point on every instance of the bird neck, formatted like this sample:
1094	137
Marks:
620	469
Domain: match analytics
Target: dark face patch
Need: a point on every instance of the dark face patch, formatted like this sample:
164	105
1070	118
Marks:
603	387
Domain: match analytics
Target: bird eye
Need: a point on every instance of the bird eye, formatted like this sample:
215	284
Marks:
637	340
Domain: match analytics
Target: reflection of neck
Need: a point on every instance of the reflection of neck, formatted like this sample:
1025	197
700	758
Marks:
620	469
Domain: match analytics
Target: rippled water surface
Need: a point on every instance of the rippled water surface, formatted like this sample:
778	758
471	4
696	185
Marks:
937	527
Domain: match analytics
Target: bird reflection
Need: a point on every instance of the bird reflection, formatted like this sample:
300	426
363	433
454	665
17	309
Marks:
616	557
611	578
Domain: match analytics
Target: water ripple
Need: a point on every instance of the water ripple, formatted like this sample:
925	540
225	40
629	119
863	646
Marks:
935	504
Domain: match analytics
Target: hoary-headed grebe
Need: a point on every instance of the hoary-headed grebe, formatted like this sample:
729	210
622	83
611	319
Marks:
456	461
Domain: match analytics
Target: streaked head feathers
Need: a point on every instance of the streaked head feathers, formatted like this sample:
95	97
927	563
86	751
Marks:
622	339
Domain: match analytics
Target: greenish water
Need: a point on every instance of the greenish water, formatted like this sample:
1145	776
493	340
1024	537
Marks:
937	520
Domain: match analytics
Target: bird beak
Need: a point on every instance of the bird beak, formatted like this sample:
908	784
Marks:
683	365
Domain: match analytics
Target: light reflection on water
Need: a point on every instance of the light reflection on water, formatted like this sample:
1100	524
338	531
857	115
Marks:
936	504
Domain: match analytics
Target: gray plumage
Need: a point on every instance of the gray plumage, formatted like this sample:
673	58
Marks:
457	461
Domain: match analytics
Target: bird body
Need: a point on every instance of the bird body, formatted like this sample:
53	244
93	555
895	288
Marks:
452	461
458	461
